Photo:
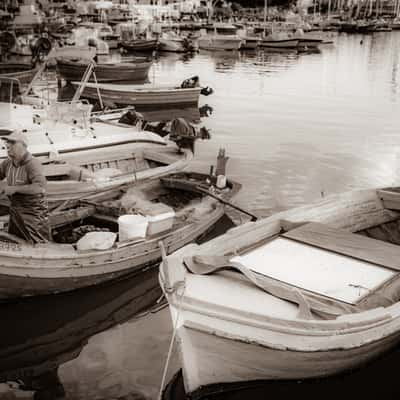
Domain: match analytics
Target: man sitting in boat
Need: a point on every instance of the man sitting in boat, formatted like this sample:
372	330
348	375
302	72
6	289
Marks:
26	189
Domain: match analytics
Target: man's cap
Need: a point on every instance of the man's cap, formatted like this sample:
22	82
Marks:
16	136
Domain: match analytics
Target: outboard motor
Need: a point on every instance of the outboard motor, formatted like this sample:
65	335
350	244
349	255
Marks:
184	134
40	48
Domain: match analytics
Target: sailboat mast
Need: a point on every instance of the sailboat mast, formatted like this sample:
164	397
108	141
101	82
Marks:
265	15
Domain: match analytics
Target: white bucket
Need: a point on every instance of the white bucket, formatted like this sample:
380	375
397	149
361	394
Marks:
221	181
132	226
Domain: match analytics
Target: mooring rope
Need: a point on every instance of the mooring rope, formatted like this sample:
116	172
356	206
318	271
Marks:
171	344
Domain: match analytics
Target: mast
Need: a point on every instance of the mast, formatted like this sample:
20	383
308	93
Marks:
265	15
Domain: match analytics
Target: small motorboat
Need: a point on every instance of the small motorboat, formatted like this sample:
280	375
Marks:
279	41
305	293
172	42
307	40
140	45
147	94
250	42
135	70
173	210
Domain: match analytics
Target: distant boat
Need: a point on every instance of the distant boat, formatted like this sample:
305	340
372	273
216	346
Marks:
271	42
74	69
140	44
142	95
219	42
170	41
306	293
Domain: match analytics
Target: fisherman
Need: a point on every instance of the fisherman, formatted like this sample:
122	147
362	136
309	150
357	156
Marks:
26	188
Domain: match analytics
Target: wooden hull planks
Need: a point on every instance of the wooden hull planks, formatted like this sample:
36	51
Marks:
128	72
144	95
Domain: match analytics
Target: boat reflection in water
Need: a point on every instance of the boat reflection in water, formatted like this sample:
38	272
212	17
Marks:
40	334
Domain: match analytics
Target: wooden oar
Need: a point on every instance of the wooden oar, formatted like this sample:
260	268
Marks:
227	203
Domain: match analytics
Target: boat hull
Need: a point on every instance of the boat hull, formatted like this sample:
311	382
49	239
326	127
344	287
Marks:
209	359
310	43
124	72
249	44
49	279
280	44
143	97
140	45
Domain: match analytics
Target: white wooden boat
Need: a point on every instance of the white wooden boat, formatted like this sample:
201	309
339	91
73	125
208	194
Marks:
142	95
30	270
317	294
69	183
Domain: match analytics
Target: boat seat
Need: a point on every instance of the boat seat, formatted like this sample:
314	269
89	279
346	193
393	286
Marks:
346	243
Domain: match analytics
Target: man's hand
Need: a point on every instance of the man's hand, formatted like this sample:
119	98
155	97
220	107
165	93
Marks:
9	190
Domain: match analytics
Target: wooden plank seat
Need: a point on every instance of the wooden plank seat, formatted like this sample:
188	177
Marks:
347	243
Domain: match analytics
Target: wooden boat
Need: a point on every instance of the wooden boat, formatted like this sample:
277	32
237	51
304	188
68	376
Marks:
68	183
142	95
305	293
140	44
57	267
73	70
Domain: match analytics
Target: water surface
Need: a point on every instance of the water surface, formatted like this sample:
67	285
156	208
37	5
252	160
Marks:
296	126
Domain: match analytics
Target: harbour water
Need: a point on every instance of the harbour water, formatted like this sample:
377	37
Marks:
296	126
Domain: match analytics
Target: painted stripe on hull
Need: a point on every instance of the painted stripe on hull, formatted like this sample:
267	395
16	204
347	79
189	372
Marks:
210	359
